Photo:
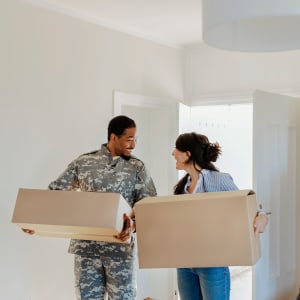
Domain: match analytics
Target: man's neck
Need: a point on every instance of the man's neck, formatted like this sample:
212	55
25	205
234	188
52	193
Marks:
109	148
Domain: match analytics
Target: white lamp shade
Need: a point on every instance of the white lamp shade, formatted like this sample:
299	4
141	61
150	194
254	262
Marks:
252	25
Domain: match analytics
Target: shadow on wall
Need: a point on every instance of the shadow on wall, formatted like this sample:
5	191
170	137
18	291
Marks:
288	295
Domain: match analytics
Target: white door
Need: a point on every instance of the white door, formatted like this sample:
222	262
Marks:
274	169
157	129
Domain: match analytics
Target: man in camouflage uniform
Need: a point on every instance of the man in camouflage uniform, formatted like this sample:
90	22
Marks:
104	267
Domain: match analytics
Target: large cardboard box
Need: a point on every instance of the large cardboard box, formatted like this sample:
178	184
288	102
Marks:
197	230
71	214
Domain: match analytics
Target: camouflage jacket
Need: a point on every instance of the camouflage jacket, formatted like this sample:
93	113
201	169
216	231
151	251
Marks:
98	171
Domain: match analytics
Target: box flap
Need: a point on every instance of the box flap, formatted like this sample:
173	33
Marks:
196	196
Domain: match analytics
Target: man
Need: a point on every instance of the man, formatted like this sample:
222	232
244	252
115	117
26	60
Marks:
104	267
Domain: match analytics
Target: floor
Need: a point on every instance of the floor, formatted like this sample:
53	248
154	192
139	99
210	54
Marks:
241	283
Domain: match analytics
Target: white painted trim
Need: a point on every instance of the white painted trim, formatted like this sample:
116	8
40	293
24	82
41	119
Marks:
237	97
121	98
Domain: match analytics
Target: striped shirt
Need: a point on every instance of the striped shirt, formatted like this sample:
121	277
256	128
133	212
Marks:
212	181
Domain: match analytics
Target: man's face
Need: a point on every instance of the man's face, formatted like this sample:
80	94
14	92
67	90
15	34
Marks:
124	144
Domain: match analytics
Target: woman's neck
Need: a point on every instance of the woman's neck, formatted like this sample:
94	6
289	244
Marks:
194	177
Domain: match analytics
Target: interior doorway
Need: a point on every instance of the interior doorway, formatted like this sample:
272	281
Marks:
272	169
157	129
230	126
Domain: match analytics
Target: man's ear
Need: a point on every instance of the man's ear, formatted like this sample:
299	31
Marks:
113	137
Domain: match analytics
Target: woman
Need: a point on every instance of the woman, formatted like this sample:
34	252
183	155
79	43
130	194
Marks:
195	155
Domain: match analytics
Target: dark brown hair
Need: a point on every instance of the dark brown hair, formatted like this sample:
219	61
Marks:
203	154
118	125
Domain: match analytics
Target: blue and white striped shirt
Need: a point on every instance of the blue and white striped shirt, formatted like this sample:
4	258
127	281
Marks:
212	181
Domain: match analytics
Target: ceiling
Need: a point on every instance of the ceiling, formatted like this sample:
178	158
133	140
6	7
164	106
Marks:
175	23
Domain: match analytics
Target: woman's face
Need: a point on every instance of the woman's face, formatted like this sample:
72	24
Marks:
181	159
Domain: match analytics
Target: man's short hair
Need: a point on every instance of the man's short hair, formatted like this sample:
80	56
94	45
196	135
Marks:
118	125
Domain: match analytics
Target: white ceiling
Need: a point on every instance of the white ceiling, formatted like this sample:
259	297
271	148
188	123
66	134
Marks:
175	23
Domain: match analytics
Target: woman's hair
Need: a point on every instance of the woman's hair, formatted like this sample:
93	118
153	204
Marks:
118	125
203	154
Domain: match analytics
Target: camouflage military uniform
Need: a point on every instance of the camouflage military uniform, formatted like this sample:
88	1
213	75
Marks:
102	267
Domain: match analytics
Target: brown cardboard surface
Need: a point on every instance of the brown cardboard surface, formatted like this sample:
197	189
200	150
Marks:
197	230
71	214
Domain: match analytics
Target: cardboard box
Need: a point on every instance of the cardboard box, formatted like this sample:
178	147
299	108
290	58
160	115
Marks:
71	214
197	230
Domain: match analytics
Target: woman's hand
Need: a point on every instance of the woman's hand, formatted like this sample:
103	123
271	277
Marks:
128	229
260	223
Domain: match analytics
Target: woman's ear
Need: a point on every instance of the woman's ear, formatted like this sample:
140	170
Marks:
188	155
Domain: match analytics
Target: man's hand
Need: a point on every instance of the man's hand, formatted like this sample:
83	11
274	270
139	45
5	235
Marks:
260	223
128	228
28	231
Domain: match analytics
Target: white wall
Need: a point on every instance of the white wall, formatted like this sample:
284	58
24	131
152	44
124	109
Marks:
298	196
57	76
211	72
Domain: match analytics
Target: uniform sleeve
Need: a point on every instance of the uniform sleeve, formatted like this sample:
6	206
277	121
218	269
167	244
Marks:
144	186
68	180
